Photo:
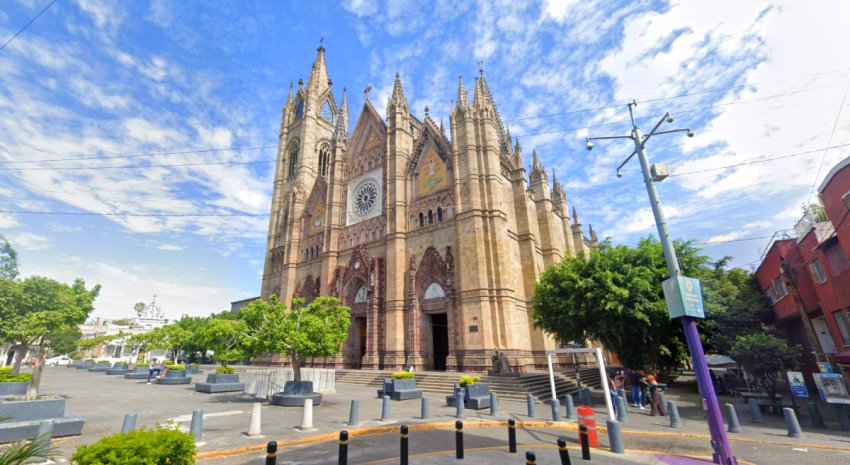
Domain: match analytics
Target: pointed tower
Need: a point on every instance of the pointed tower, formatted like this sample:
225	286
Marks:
578	235
304	155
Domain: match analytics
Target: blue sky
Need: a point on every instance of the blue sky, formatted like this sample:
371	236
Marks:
98	87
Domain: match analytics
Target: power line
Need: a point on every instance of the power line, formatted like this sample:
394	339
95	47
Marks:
733	240
27	24
187	215
72	168
829	141
143	155
763	160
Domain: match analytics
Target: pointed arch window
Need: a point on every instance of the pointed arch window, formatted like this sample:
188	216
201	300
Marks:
360	295
430	217
299	111
439	214
324	160
293	160
434	291
326	113
421	220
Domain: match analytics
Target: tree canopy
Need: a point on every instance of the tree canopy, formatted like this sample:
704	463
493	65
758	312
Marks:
614	296
763	355
8	260
226	338
314	330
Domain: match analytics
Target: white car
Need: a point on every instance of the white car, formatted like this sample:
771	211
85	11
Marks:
56	361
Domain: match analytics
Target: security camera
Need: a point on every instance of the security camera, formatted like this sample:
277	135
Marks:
690	133
589	145
669	118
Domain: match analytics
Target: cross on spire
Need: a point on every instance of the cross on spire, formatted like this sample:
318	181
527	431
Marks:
367	90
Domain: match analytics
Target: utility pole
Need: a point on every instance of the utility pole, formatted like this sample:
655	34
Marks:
790	275
719	441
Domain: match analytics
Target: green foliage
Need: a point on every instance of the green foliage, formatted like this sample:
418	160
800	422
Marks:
12	378
24	452
5	370
467	380
140	447
193	366
170	337
175	367
402	375
89	360
8	260
225	370
764	355
315	330
226	338
65	340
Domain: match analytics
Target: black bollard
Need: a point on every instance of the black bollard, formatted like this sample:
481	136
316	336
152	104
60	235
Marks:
585	442
512	436
343	448
563	452
459	439
530	458
271	453
404	446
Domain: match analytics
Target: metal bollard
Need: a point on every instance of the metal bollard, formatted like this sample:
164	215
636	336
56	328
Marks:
791	423
563	452
755	411
675	419
494	404
129	422
307	417
815	416
732	418
529	400
426	409
404	445
530	458
354	413
588	400
615	436
571	408
662	404
622	410
343	448
255	425
385	409
459	439
460	402
512	436
197	428
841	415
556	409
585	442
271	453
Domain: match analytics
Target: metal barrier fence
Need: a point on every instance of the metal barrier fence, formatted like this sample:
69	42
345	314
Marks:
264	382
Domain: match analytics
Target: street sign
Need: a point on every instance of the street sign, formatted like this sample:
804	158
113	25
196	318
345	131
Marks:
798	386
684	297
831	388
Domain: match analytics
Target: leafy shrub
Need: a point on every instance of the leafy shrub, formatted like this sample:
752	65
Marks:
402	375
139	447
75	356
466	380
89	360
8	377
103	361
175	367
166	362
5	370
225	370
193	366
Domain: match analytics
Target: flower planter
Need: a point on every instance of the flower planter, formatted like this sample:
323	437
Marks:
139	372
400	389
295	393
118	369
85	365
25	416
221	383
100	367
175	377
13	389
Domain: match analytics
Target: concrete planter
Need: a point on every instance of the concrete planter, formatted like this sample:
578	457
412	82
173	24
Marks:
13	389
400	389
139	372
100	367
85	365
295	393
221	383
25	416
175	377
118	369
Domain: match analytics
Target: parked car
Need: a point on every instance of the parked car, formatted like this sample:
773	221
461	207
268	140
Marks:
56	361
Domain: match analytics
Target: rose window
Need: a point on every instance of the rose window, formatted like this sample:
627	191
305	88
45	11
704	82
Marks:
365	198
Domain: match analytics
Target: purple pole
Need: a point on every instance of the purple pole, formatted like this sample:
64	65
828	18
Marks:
719	442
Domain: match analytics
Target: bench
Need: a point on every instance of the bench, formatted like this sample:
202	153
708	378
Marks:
759	396
477	396
400	389
776	407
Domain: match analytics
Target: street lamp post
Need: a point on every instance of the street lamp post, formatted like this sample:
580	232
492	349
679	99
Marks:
719	441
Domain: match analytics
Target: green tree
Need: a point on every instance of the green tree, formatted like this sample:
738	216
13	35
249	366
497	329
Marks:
44	307
139	308
764	355
226	338
171	337
8	260
65	340
197	345
315	330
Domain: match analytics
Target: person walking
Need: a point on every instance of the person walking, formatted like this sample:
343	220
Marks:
655	396
730	378
634	383
152	368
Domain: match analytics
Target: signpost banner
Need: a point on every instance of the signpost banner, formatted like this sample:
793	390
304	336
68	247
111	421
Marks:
684	297
831	388
798	386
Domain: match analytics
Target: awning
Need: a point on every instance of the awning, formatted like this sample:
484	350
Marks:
719	361
842	357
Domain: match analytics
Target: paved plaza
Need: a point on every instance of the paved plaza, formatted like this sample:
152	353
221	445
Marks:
103	400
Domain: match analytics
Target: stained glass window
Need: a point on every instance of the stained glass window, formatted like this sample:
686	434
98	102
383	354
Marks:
326	112
300	111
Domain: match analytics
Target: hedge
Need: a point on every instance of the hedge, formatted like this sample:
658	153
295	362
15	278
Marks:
139	447
8	377
225	370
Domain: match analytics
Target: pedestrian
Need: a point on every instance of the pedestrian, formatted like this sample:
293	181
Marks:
730	378
655	396
152	368
612	388
644	390
634	384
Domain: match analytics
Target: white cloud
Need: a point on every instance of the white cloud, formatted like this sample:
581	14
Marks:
27	240
103	13
8	220
170	247
558	9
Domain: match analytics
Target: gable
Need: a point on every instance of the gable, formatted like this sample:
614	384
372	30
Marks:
433	174
314	214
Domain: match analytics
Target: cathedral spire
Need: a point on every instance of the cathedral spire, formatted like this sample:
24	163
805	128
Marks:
593	237
319	73
341	132
518	152
536	166
462	98
397	100
575	216
289	97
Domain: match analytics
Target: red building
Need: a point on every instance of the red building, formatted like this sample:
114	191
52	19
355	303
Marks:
815	275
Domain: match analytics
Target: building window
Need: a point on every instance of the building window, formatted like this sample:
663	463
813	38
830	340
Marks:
430	217
326	112
439	214
817	271
324	161
421	220
836	260
777	290
293	160
842	320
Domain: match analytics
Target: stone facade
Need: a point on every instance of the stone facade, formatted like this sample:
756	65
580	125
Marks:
435	241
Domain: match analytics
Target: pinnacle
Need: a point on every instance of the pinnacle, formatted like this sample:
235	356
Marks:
536	165
462	98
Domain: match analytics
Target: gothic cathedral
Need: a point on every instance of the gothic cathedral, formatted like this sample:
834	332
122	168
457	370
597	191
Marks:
435	241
